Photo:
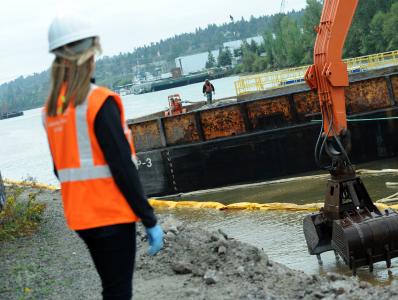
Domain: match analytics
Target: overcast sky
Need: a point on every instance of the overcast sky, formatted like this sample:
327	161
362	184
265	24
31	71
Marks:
122	24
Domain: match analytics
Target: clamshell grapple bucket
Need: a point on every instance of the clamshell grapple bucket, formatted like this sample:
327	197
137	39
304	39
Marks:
366	241
352	226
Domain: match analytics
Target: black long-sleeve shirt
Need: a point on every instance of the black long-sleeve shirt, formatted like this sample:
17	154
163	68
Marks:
110	135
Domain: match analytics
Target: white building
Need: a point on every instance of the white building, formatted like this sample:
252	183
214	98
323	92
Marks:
194	63
197	62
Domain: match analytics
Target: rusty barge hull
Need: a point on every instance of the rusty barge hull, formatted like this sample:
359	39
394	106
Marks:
263	137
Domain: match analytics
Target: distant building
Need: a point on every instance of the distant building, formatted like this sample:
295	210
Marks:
194	63
197	62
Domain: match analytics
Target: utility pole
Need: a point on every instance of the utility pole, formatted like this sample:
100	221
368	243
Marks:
283	5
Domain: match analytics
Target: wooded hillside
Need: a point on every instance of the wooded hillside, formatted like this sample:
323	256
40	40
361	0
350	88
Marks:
288	42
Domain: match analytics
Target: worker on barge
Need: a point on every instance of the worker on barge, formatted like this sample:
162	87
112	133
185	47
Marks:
92	153
208	91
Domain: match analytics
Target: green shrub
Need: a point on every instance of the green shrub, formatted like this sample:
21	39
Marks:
20	217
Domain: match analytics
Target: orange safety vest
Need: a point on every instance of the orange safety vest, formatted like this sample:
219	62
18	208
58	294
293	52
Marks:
90	195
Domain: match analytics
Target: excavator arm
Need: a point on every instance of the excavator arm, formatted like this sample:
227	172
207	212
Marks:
329	73
349	223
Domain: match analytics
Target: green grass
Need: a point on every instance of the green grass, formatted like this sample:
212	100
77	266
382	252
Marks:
20	217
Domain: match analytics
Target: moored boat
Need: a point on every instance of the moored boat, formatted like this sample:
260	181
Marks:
13	114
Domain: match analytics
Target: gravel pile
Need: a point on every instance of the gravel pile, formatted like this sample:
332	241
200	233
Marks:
195	264
210	265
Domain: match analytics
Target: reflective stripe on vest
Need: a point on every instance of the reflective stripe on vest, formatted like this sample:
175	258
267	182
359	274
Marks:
87	168
85	173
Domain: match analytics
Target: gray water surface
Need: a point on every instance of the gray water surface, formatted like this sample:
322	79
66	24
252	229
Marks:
280	233
23	146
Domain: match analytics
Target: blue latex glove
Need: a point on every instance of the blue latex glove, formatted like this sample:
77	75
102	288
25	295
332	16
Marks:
155	239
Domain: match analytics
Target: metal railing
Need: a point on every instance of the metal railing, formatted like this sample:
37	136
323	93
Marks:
272	80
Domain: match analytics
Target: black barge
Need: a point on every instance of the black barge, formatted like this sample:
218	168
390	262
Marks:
263	136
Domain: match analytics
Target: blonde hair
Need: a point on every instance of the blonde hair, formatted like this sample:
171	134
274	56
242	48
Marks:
72	69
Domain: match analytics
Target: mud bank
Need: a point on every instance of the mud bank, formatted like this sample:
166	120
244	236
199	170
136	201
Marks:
195	264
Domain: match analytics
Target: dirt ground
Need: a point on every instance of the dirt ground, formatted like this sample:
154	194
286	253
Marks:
195	264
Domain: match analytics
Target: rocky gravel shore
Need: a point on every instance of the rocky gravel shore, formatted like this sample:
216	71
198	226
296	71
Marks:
195	264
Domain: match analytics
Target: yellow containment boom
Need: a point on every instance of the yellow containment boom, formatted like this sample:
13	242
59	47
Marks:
274	206
31	184
181	204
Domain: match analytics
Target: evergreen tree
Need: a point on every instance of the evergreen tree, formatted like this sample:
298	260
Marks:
291	40
356	44
390	28
269	49
211	61
248	58
253	47
375	41
224	57
311	18
237	52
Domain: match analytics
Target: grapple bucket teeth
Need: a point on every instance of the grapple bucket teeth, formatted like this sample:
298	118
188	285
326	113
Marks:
367	241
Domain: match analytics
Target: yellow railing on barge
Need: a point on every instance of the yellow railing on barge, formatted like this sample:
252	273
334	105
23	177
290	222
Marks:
272	80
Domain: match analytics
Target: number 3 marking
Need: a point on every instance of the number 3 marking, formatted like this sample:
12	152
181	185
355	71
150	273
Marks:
148	162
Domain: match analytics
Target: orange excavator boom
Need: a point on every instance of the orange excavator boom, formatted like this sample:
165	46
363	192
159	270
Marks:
329	73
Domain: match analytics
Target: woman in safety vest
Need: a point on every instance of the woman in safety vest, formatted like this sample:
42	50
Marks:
92	153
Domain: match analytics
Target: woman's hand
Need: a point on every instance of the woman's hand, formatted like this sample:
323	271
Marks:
155	239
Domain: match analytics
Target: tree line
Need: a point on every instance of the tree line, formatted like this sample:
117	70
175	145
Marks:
288	42
112	71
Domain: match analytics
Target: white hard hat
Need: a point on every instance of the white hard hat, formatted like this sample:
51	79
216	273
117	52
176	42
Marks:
68	29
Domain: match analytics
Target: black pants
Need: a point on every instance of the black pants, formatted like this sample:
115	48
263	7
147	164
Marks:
112	249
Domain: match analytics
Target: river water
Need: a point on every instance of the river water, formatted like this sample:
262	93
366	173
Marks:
280	233
24	154
23	147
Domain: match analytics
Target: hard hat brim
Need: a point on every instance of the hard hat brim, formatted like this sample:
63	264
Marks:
65	40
